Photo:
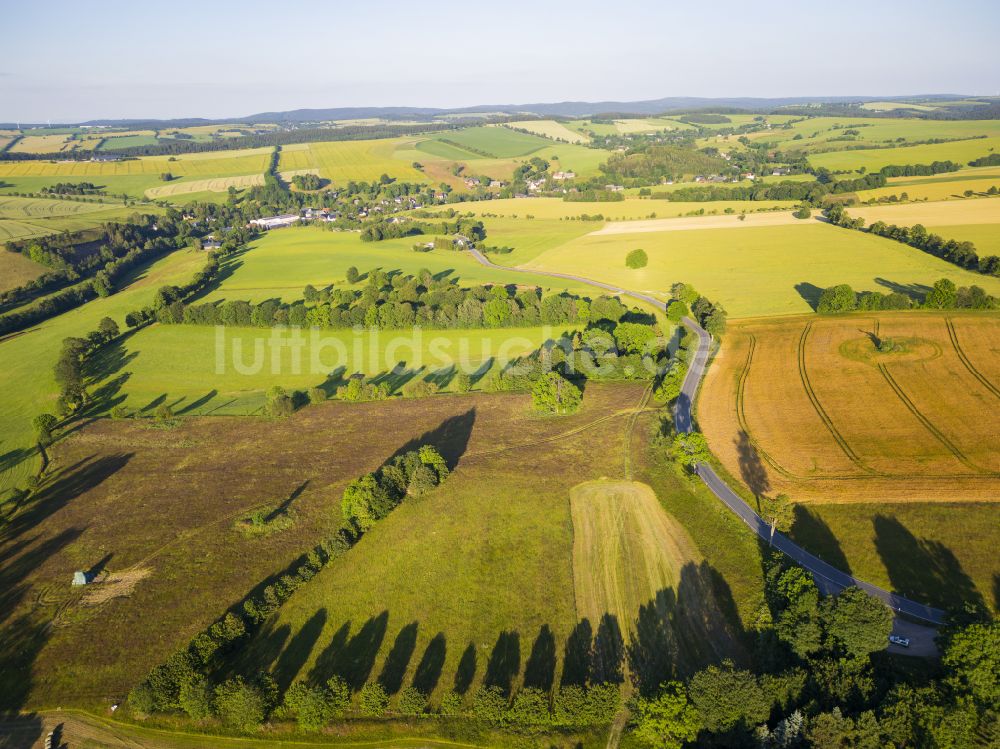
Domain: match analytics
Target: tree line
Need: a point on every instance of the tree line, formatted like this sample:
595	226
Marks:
123	247
943	295
168	147
400	301
962	254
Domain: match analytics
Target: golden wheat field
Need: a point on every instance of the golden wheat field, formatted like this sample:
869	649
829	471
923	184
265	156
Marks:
811	407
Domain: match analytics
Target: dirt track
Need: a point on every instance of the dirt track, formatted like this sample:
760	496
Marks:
690	223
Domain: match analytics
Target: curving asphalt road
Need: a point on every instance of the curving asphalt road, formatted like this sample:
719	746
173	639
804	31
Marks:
828	578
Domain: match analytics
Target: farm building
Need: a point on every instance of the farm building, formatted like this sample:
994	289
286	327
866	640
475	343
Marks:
275	222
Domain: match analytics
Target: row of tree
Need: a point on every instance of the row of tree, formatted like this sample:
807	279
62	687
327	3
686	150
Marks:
402	301
962	254
943	295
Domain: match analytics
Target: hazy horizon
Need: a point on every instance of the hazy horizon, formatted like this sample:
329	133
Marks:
235	60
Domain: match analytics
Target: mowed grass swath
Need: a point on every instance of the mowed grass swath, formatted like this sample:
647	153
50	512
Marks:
810	407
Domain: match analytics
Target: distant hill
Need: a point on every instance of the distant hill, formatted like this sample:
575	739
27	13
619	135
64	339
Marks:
670	104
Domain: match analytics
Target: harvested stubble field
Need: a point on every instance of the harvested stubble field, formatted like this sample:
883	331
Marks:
809	407
215	184
550	129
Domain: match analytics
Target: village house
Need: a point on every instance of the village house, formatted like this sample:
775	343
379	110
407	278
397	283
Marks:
560	176
472	182
615	188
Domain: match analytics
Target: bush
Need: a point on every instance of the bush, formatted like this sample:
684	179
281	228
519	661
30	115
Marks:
803	212
553	393
317	395
119	412
451	704
196	698
637	259
412	701
372	700
489	705
164	412
530	707
463	382
240	705
338	695
141	700
310	705
839	298
676	311
419	388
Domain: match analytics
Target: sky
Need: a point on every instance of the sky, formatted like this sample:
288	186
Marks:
111	59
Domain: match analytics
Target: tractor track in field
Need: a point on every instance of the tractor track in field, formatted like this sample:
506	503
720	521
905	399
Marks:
928	424
818	406
984	381
741	417
630	427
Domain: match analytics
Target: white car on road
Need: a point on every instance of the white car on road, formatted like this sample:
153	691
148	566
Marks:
903	642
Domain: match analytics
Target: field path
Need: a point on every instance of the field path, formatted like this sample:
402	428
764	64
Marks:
690	223
828	577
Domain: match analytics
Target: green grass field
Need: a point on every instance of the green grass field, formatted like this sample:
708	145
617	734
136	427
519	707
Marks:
986	237
27	385
755	271
921	550
961	151
499	142
550	129
282	262
204	370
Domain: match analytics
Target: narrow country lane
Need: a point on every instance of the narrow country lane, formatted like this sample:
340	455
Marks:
828	578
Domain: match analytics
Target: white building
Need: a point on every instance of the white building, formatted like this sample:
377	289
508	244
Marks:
275	222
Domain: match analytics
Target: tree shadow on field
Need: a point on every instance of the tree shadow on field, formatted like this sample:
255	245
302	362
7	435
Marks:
428	671
576	655
398	659
296	653
810	293
199	402
996	592
333	381
504	663
61	488
540	669
812	533
681	631
916	291
607	656
227	267
466	671
923	569
752	468
352	659
442	377
451	438
396	377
